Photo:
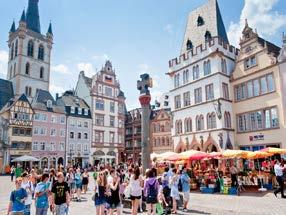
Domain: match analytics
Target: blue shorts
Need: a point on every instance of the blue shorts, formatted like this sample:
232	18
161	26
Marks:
27	210
99	201
78	186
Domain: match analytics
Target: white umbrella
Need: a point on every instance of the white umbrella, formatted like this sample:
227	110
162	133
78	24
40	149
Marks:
25	158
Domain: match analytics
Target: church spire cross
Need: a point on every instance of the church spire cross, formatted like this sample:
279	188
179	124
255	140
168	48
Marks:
33	17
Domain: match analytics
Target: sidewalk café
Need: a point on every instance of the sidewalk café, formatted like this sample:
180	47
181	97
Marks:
226	172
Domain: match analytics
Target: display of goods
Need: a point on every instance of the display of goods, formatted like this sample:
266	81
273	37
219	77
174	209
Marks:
207	190
194	186
232	191
212	186
225	190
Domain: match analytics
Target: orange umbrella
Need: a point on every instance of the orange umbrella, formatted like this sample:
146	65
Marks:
274	150
258	155
189	154
228	154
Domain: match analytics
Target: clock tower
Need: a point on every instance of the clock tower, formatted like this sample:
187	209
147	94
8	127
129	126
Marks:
29	53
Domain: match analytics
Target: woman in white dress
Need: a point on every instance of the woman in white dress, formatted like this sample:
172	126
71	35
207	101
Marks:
175	190
136	184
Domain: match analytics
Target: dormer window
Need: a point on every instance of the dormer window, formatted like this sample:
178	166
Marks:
72	110
85	112
79	111
200	21
189	44
49	104
208	36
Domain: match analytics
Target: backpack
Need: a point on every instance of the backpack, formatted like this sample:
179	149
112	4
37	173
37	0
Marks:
152	193
180	185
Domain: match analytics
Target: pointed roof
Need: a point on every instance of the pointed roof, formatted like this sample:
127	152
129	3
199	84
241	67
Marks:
206	18
13	28
23	17
33	17
50	30
6	92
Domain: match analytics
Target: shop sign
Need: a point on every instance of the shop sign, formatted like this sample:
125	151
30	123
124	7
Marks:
256	137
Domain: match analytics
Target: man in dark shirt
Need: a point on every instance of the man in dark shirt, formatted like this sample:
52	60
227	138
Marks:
61	197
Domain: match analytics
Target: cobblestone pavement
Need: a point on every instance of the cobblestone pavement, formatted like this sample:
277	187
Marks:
246	204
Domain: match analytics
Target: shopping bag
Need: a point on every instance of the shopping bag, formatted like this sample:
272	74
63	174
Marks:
159	209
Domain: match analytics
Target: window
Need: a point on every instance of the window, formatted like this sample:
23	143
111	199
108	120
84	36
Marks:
41	52
42	73
270	83
43	146
198	95
108	91
28	91
53	146
53	132
99	104
79	111
30	52
196	72
209	92
256	87
177	102
186	76
227	120
71	135
207	67
99	120
35	146
263	85
36	130
111	137
250	62
208	36
85	124
187	99
99	137
72	110
120	108
249	89
62	133
211	120
200	21
27	70
189	44
223	66
16	48
258	120
79	136
42	131
53	119
86	112
178	127
12	52
79	124
85	136
177	80
200	122
112	107
62	146
63	119
188	125
225	93
112	121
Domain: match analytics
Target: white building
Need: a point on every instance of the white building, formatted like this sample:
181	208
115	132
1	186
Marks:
200	100
102	92
29	53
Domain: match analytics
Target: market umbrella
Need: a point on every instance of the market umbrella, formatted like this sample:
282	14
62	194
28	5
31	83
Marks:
257	155
25	158
171	156
228	154
153	155
274	150
189	154
214	155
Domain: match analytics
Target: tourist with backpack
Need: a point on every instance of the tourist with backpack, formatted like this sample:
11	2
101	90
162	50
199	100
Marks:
17	199
29	187
41	195
185	181
151	189
175	190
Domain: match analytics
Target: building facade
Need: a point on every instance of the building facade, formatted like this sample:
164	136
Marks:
102	92
200	102
259	93
160	131
29	53
133	135
78	129
49	131
19	114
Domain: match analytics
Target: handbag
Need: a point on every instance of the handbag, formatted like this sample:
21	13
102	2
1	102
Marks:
127	192
94	197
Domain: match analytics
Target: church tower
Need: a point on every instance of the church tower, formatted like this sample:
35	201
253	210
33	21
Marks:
30	53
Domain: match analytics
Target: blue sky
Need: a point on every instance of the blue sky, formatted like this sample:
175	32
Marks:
136	35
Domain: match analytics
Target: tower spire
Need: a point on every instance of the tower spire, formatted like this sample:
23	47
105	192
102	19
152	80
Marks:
33	17
13	28
23	17
50	29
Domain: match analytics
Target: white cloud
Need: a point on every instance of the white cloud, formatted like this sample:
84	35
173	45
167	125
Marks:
3	62
260	16
61	68
168	28
56	89
87	68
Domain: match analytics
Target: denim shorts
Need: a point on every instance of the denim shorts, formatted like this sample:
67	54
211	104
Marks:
99	201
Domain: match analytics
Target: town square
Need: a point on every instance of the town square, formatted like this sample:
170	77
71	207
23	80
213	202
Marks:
142	107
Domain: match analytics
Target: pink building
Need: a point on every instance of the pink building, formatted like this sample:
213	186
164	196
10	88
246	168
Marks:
49	130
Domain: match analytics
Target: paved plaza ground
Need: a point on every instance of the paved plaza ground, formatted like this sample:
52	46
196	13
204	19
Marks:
247	203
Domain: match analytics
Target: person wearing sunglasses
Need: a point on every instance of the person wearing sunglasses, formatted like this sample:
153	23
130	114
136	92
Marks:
17	199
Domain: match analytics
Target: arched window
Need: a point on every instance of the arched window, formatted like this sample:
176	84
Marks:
14	71
223	66
200	122
200	21
16	48
188	125
211	120
27	71
208	36
189	44
11	72
41	52
12	52
154	142
178	127
30	49
167	141
196	72
227	120
163	141
207	67
42	72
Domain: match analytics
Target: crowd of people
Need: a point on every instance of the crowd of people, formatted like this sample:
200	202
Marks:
114	186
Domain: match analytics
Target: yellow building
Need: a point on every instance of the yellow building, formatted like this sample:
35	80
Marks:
19	114
259	112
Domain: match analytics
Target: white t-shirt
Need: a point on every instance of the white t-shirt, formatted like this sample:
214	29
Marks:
29	188
135	186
